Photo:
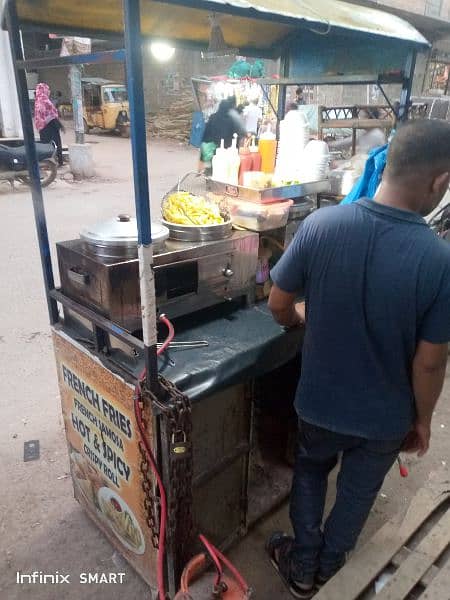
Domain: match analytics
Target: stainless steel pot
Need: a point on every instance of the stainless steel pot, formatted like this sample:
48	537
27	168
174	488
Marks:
117	238
198	233
300	210
343	180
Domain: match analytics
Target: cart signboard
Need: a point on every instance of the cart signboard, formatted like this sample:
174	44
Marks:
103	441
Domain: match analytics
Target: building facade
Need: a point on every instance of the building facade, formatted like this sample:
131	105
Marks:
435	9
437	76
432	19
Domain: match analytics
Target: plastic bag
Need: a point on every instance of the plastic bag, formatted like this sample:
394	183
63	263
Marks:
207	151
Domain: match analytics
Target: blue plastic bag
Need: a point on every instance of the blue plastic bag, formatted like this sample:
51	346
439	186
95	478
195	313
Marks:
197	130
368	183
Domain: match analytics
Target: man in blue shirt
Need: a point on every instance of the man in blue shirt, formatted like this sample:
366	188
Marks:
376	282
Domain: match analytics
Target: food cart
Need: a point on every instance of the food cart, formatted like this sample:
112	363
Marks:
165	442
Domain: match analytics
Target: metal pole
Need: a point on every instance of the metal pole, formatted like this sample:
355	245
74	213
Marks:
405	95
386	97
22	47
32	161
267	97
133	43
426	77
104	57
282	90
77	102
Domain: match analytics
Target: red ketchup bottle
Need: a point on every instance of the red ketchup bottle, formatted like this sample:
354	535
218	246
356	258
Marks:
256	156
246	162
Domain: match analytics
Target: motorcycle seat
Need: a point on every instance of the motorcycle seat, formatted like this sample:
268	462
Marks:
43	151
14	158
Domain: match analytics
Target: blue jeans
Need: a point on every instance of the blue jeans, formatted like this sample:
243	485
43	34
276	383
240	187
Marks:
364	466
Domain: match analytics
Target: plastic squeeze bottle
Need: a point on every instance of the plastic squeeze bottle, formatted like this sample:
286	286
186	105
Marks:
234	162
256	156
268	150
220	163
246	162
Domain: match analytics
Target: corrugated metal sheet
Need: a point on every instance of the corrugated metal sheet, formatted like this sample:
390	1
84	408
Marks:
258	25
336	14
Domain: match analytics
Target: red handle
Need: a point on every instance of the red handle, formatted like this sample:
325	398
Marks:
402	468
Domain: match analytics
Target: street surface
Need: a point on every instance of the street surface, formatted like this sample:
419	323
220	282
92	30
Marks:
42	528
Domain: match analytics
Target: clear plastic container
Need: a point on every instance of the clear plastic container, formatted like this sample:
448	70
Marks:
259	217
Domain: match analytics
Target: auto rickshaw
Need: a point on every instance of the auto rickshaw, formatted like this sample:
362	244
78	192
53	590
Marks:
105	106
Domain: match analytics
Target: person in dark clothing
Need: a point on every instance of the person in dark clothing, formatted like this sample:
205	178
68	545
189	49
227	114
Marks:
47	121
224	123
51	133
240	108
291	106
299	97
376	282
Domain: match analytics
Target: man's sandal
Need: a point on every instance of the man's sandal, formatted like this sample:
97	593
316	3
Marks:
279	548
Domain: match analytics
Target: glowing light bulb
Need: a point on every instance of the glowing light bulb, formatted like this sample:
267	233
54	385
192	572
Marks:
162	51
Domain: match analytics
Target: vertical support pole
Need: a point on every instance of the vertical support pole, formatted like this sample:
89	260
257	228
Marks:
353	140
32	161
173	573
320	122
77	102
281	108
405	95
133	49
426	78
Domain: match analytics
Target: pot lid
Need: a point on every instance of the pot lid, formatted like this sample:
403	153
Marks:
120	231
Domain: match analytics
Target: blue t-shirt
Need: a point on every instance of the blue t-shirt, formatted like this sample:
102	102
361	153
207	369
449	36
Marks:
376	281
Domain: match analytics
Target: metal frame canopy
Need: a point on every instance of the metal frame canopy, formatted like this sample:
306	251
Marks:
260	26
305	33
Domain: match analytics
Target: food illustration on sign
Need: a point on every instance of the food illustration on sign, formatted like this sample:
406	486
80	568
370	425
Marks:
85	477
121	520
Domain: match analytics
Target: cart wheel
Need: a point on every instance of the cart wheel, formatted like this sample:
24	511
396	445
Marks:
87	129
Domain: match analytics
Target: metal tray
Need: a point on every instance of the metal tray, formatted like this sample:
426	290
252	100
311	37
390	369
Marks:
198	233
268	195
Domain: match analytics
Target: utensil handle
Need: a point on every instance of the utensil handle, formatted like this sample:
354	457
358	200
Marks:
79	277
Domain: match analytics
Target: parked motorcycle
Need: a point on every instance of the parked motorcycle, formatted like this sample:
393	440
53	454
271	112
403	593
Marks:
13	164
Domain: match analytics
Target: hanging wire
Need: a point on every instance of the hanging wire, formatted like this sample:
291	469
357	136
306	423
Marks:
321	19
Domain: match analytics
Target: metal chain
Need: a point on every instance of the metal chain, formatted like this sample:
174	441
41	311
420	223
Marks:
175	410
179	426
150	500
